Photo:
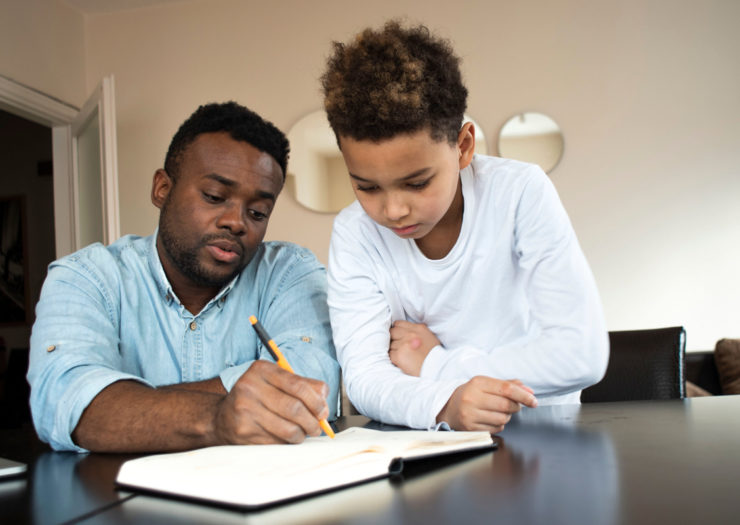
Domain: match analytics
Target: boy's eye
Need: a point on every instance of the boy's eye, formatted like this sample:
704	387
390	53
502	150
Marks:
367	189
419	185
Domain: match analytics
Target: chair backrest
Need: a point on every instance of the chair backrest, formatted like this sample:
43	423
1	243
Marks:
643	364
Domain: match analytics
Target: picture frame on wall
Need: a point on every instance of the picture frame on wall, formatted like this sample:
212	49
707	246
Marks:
14	307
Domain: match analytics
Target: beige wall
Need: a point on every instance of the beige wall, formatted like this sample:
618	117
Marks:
42	45
644	90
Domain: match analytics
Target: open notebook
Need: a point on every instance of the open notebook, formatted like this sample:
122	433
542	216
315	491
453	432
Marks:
257	475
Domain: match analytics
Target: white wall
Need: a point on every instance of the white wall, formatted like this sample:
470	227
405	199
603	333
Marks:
646	92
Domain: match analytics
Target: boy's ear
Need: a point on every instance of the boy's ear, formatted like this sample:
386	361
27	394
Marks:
161	186
466	144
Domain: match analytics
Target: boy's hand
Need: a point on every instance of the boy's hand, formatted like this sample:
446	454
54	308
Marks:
410	345
485	403
270	405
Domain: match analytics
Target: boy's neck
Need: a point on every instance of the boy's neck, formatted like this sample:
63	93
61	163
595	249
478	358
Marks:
440	241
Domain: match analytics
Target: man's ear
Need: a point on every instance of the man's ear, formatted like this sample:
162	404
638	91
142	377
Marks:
466	144
161	186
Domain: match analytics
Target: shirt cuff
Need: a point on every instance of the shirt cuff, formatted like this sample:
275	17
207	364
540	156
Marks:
231	375
433	363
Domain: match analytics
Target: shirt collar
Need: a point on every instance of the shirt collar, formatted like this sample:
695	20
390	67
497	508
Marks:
163	284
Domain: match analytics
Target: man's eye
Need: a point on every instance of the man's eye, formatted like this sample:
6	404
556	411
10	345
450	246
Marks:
258	215
208	197
367	189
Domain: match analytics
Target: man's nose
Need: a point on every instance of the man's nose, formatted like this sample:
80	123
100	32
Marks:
234	218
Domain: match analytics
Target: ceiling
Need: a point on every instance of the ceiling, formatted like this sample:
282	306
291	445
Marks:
94	7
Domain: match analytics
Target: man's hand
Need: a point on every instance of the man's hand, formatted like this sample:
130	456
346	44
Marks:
485	403
270	405
410	345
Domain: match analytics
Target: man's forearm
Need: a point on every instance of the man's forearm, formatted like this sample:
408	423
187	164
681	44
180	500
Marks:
213	386
130	417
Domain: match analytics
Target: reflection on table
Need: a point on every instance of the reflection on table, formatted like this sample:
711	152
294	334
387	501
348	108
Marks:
604	463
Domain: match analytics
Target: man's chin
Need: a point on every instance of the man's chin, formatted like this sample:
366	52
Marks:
216	279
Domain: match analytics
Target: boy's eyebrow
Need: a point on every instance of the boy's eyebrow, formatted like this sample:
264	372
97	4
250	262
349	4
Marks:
416	173
231	183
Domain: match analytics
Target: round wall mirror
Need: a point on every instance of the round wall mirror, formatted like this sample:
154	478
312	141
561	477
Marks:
532	137
317	177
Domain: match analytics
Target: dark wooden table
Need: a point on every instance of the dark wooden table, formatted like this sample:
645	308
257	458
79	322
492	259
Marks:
604	463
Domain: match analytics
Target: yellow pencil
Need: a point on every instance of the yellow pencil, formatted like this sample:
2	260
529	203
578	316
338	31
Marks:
277	355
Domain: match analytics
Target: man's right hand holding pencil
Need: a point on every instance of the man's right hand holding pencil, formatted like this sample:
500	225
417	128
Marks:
271	405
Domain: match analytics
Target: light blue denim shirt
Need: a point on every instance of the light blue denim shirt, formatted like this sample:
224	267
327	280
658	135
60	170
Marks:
108	314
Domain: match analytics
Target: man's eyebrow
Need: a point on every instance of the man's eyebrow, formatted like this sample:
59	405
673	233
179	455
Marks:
261	194
220	179
416	173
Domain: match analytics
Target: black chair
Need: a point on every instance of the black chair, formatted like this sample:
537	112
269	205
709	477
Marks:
643	364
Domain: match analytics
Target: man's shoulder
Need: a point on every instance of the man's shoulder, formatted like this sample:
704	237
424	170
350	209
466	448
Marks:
127	252
283	252
281	258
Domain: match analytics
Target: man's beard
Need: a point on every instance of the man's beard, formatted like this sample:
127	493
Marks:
185	258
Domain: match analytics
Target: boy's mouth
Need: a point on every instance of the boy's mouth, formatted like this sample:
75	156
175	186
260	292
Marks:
406	230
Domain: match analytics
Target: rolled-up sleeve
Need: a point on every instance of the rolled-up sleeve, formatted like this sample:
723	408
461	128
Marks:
74	350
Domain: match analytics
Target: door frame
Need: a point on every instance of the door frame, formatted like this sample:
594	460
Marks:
48	111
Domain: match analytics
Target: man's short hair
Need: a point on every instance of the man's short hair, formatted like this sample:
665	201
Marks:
394	81
240	123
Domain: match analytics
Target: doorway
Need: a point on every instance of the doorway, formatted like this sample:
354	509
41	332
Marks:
27	246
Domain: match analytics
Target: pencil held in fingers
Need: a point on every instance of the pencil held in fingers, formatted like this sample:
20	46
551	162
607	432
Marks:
277	355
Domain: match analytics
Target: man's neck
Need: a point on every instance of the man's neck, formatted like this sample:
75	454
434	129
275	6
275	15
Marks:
192	296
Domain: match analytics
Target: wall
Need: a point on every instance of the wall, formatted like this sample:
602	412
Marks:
645	92
42	45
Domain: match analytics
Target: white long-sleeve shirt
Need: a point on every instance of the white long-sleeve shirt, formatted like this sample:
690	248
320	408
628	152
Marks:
513	299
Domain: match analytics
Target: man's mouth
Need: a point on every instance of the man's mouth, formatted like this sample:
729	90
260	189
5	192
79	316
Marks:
224	251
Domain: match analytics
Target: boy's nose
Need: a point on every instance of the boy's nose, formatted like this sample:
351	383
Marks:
395	208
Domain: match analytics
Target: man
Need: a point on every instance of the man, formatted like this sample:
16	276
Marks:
145	345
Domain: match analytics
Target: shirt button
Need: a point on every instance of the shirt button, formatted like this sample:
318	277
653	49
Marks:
193	325
51	348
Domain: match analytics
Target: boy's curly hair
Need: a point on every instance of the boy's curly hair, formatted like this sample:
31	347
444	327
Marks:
393	81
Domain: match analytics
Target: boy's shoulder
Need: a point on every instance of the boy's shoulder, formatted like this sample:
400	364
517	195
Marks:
505	177
353	215
489	168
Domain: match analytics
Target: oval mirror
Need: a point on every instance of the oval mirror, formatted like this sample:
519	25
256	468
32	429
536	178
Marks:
532	137
317	177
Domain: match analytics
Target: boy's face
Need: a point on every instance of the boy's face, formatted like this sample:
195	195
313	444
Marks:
408	183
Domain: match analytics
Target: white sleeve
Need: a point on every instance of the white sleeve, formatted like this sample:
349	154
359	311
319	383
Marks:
570	348
362	309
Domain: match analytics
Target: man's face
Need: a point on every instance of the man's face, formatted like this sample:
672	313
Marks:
214	212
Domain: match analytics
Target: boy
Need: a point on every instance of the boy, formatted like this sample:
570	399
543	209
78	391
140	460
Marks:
457	288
